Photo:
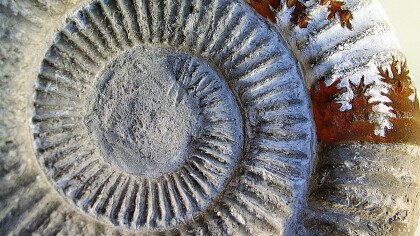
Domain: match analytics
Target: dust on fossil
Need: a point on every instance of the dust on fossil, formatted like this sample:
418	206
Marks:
143	119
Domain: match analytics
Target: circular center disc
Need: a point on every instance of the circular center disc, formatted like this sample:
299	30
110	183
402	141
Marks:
144	116
144	120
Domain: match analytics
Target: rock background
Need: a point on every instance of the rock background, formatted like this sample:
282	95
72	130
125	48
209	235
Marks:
278	185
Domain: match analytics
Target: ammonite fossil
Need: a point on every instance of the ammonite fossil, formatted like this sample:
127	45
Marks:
205	117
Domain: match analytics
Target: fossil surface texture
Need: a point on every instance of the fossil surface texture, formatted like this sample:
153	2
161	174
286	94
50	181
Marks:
205	117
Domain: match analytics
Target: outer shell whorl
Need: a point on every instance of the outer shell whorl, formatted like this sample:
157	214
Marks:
354	190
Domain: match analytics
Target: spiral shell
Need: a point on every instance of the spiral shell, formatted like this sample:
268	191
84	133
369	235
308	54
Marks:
202	118
154	116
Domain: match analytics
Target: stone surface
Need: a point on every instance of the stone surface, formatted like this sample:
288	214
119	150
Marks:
165	116
364	189
181	117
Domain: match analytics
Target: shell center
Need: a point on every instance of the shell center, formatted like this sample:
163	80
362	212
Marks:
143	118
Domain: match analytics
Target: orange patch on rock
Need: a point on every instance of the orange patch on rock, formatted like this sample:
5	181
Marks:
299	17
265	8
335	126
335	7
332	125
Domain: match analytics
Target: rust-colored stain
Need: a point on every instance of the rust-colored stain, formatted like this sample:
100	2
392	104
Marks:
335	7
407	111
355	124
266	8
401	87
334	125
299	16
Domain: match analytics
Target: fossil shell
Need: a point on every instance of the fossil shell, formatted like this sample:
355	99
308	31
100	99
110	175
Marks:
194	117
